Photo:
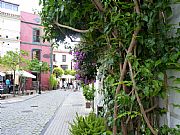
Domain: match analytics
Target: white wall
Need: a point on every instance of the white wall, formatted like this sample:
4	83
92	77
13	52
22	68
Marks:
9	26
58	58
172	118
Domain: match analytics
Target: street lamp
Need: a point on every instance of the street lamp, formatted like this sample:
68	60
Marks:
40	65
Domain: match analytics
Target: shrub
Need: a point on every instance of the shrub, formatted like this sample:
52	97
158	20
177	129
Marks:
58	72
89	125
88	92
70	72
53	82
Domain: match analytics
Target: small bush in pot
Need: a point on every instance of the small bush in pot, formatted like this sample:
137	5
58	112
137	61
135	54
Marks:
88	94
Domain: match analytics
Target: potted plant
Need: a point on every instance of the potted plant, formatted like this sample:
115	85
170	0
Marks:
88	94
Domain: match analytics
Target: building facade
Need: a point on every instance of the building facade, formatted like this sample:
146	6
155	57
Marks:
9	29
9	26
62	58
31	42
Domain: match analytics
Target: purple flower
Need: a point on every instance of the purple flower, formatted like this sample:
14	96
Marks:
86	81
77	76
70	52
76	65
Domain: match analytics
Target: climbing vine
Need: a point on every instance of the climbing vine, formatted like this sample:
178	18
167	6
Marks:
130	43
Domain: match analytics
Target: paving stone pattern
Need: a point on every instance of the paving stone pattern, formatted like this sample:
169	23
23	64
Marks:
30	116
75	103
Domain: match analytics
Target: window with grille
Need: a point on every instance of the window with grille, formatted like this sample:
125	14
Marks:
63	58
9	6
64	67
36	35
36	54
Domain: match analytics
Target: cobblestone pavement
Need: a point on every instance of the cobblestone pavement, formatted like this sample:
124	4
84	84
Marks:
74	103
29	117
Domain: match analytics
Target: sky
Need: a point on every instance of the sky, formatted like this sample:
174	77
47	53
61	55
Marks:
29	5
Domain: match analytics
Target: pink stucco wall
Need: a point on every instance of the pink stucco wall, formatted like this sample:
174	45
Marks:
27	24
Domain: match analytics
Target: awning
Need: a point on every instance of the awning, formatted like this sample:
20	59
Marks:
68	76
22	73
25	74
2	74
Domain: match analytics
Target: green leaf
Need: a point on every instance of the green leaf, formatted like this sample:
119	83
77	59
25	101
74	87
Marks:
158	62
145	18
177	81
176	105
168	11
161	76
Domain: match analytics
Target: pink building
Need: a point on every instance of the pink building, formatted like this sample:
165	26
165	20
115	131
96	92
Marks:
31	41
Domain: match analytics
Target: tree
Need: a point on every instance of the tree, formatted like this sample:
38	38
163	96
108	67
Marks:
35	65
39	67
58	72
70	72
129	43
12	60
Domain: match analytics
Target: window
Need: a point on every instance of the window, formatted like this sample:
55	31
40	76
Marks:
36	54
36	35
63	58
15	7
54	57
64	67
9	6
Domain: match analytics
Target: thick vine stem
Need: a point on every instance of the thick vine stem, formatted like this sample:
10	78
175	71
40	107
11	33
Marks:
98	5
131	46
139	101
152	108
70	28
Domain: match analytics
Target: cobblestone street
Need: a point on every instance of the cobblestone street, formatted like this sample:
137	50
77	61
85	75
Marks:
35	116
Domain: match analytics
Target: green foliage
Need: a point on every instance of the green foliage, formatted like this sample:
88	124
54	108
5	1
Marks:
53	9
12	59
67	72
88	92
106	47
37	66
58	72
70	72
164	130
53	82
73	72
89	125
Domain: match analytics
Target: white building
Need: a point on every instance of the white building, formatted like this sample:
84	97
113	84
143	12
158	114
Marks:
62	58
9	26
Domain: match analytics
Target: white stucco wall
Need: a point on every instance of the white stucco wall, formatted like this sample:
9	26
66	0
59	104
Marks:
9	29
58	59
59	52
172	118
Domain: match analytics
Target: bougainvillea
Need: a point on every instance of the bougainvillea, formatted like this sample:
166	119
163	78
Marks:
131	41
85	66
